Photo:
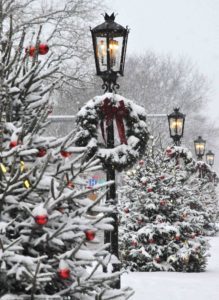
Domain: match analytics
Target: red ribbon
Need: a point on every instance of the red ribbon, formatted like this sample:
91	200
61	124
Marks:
110	112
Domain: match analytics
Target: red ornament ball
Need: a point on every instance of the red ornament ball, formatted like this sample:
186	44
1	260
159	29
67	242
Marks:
64	273
30	51
141	162
90	235
50	110
70	185
151	241
162	202
41	220
43	49
134	243
126	210
169	152
13	144
177	237
65	153
149	190
41	152
157	259
193	235
162	177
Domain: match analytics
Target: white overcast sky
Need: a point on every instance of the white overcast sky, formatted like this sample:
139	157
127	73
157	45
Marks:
181	27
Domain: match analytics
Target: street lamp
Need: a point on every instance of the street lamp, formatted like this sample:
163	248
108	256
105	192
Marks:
109	43
210	158
199	147
176	121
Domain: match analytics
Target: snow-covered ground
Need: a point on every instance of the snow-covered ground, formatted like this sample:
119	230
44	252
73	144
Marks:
178	286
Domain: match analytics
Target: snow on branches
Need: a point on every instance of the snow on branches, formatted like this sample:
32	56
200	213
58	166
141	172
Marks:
166	208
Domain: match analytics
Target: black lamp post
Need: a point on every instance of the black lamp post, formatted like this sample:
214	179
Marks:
176	121
210	158
109	43
199	147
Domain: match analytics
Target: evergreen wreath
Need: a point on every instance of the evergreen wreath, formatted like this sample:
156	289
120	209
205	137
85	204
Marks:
129	119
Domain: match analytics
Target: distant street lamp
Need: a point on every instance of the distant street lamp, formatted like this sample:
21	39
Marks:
109	43
199	147
210	158
176	121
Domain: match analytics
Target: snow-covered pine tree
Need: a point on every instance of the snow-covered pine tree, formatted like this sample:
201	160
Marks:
44	229
202	182
159	229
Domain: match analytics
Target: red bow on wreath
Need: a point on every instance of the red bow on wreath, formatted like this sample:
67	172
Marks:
118	112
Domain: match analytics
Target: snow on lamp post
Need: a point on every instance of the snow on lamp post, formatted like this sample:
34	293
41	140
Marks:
210	158
109	44
199	144
176	121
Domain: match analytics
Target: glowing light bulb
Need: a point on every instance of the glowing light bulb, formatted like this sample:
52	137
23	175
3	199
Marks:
113	48
102	51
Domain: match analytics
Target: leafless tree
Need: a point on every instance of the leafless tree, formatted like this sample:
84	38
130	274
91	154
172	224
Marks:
161	83
65	27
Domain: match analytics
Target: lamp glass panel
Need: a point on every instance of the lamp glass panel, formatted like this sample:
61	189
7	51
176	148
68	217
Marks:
210	159
101	53
176	126
115	51
200	148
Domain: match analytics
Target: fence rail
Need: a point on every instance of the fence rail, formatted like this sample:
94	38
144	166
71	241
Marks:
69	118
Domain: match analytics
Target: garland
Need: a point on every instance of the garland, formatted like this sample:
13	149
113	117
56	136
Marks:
191	164
130	131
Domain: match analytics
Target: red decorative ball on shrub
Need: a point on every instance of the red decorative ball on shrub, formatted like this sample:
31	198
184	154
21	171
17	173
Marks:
149	190
43	49
162	177
64	273
141	162
151	241
30	51
169	152
41	152
70	184
90	235
134	243
13	144
126	210
41	219
177	237
50	109
65	153
157	259
193	235
162	202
